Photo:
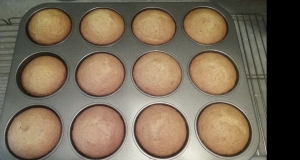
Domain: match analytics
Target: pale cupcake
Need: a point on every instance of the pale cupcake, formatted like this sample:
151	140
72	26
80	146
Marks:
102	26
157	73
43	76
49	26
223	129
205	26
98	131
153	26
161	130
100	74
34	133
213	73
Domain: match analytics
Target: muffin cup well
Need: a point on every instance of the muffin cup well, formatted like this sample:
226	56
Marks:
148	76
159	131
28	127
87	154
213	73
39	31
216	120
89	73
102	26
153	26
205	25
29	59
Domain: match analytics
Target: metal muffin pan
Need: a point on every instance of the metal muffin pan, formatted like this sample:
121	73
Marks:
69	100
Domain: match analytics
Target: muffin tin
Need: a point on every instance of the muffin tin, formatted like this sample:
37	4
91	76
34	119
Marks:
128	100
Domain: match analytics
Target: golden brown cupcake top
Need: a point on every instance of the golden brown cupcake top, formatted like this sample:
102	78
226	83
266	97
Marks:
153	26
223	129
213	73
100	74
161	130
98	131
49	26
43	76
205	25
102	26
157	73
34	133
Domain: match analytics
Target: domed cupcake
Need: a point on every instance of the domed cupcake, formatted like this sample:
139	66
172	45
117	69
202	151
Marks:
213	73
153	26
98	131
43	76
102	26
100	74
157	73
161	130
205	26
49	26
34	133
223	129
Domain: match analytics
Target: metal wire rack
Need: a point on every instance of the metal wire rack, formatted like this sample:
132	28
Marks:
8	35
252	34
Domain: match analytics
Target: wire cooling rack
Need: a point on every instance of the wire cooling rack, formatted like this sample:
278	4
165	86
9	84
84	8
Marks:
252	34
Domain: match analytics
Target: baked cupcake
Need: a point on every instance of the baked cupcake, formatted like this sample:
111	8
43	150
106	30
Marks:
205	26
43	76
223	129
34	133
49	26
100	74
161	130
102	26
157	73
98	132
213	73
153	26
